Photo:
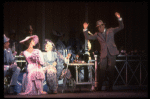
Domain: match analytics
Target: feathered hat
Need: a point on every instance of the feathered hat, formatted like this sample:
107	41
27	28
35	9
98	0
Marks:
35	38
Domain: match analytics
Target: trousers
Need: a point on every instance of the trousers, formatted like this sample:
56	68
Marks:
14	71
106	69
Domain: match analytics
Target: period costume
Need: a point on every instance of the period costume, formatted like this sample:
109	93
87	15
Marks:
32	83
50	57
50	70
10	67
51	73
108	51
60	46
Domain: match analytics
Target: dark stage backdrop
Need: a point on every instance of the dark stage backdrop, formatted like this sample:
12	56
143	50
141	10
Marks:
68	17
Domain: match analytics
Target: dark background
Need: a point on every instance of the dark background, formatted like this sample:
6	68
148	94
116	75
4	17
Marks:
68	17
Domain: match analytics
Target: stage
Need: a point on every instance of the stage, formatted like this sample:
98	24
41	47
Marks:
85	93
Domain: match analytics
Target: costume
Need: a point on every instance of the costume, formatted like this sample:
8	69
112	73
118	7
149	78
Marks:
51	57
33	80
60	46
10	67
50	70
32	83
108	52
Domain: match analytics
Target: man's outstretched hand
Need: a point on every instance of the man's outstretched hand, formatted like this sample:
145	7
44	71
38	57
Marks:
117	15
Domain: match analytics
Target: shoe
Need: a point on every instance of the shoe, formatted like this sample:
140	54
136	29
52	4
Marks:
22	93
12	90
43	93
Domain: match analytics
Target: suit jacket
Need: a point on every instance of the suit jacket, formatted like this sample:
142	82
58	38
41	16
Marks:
8	57
108	42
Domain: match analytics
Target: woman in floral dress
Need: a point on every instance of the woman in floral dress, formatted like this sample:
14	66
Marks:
32	83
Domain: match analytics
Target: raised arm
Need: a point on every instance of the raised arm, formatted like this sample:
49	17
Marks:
121	25
85	31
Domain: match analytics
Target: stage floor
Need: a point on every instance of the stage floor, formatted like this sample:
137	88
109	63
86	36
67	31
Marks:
84	93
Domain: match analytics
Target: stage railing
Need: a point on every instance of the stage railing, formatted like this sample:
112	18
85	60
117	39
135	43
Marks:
131	70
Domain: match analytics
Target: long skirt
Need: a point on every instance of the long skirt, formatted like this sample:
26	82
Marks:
32	83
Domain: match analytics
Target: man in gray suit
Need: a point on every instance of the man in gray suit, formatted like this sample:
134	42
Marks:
108	50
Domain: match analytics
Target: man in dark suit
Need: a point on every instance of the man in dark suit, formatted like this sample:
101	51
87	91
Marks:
108	49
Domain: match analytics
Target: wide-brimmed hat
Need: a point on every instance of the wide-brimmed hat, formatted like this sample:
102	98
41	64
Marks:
35	38
99	23
6	39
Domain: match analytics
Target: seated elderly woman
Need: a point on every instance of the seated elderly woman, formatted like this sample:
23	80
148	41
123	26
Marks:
49	67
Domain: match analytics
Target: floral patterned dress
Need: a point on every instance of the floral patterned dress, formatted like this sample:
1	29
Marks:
32	83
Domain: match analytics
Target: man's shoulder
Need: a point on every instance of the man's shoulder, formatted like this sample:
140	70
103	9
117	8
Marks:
95	33
9	50
110	29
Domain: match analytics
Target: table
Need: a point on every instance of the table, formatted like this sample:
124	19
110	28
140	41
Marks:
77	65
21	61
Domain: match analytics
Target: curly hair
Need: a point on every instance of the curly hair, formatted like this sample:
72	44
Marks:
47	40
